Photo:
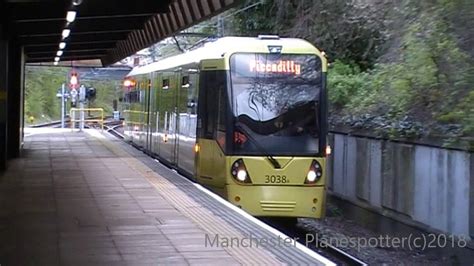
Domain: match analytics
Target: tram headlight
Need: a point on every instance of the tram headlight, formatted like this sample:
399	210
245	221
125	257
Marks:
315	173
242	175
239	172
311	177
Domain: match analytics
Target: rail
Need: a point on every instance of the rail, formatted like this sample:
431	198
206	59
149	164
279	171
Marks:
99	119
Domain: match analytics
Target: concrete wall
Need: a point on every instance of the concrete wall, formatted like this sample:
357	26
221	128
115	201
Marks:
428	186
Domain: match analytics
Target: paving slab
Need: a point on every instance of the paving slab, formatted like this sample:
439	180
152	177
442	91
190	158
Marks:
75	198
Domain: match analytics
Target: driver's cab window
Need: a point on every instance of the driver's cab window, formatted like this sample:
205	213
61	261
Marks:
212	108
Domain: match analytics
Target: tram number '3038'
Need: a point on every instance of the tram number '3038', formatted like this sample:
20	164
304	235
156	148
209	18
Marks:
278	179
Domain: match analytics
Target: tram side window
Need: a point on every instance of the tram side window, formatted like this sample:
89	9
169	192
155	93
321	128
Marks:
185	81
166	84
132	97
212	103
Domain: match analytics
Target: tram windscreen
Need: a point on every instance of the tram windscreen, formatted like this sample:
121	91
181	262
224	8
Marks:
275	102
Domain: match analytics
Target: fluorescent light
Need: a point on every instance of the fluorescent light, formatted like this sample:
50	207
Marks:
56	59
76	2
55	63
59	53
62	45
66	33
71	16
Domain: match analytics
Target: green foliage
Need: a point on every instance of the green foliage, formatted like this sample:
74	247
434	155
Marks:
345	81
348	30
451	117
256	20
394	60
42	85
430	80
107	92
462	113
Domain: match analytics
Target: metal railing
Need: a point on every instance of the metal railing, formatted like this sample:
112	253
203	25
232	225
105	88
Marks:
98	119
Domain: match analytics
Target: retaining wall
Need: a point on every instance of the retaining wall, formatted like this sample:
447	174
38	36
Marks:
429	186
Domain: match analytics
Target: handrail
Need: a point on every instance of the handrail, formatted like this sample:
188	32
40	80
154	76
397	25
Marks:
134	112
73	119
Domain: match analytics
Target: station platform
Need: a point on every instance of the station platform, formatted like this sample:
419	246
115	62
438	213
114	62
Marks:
85	198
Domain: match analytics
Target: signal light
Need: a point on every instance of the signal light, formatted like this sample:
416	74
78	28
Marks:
90	93
74	80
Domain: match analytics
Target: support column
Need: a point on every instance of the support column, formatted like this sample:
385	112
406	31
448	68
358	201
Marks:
3	99
15	103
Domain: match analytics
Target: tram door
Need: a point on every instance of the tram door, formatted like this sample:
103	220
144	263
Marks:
153	114
150	114
187	119
139	113
167	112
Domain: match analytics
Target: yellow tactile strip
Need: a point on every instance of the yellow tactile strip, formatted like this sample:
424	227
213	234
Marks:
198	214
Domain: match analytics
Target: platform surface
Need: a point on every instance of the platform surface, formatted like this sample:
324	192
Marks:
81	198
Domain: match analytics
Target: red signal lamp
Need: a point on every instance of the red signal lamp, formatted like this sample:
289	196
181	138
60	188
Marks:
74	80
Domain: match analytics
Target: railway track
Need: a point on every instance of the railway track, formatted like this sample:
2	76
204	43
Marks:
111	127
314	241
333	253
50	124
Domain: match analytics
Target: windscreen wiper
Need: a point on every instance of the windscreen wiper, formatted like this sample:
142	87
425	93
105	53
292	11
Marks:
272	160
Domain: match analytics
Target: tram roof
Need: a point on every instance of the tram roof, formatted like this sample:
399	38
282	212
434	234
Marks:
215	50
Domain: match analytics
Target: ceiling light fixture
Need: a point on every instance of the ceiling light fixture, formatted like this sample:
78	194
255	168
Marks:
76	2
56	59
59	53
56	63
62	45
71	16
66	33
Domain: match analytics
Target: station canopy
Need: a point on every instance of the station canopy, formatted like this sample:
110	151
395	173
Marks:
108	30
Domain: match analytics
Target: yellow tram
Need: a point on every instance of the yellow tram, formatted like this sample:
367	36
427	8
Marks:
245	117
